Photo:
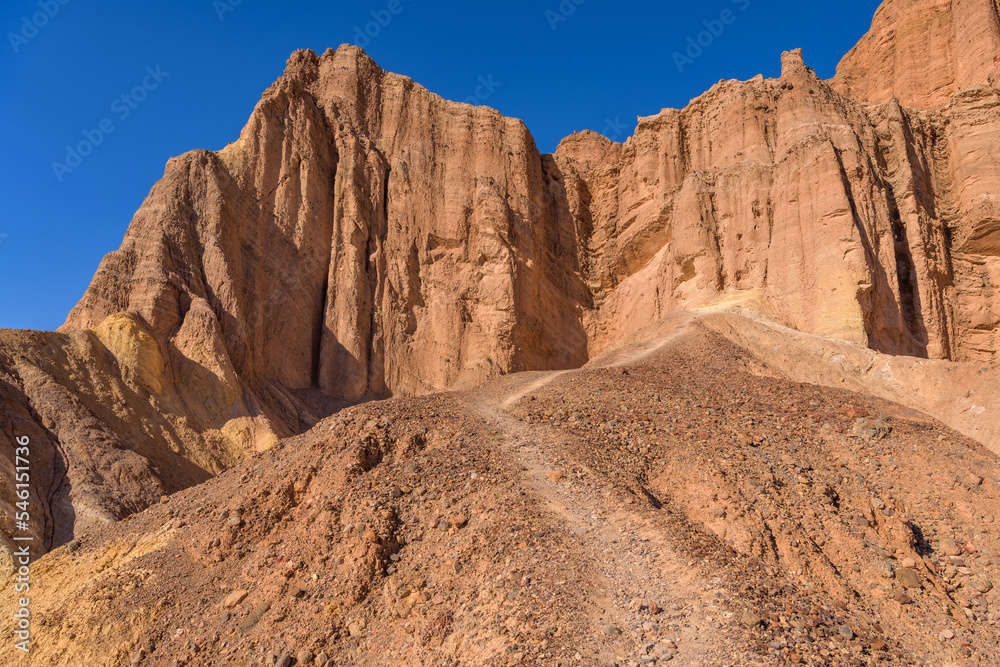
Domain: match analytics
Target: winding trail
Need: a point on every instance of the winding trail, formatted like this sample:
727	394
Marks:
633	568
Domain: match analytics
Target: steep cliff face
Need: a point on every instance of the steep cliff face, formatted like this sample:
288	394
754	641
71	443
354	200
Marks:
871	224
366	238
363	237
923	53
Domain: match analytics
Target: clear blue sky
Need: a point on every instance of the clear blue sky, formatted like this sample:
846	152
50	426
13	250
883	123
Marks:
605	61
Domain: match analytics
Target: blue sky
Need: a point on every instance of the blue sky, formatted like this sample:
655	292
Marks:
201	65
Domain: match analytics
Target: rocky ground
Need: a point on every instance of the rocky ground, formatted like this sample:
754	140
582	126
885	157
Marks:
671	503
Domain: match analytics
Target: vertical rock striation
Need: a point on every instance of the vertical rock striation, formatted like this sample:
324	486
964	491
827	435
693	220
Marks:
923	53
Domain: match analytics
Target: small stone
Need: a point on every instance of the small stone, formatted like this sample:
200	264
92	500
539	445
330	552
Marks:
983	586
612	631
750	619
322	659
719	513
304	657
234	521
949	548
871	429
459	520
371	536
902	598
356	628
284	661
846	632
73	546
908	577
234	599
947	634
556	476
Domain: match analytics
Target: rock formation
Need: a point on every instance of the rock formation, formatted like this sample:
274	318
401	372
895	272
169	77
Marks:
364	238
923	53
873	224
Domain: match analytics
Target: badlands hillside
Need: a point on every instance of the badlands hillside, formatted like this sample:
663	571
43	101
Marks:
380	383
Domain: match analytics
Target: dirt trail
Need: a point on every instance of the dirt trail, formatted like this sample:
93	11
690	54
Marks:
622	356
639	351
638	576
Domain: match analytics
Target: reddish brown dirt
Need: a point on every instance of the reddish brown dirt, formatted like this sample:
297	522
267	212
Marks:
675	506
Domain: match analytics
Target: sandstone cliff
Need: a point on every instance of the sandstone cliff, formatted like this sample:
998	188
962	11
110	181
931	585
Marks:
365	238
923	53
871	224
